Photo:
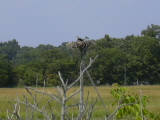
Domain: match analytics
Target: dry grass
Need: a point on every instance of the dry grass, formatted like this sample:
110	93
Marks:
8	95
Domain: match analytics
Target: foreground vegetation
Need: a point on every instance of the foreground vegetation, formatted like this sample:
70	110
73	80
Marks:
8	95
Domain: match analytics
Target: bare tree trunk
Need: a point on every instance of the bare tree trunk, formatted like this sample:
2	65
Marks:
81	88
63	112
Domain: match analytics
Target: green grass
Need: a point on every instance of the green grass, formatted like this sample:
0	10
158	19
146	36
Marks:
8	95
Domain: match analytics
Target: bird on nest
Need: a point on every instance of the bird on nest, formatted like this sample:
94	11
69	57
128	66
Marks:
81	44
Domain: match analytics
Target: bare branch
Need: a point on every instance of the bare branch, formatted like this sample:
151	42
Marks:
59	90
90	111
15	114
73	105
82	72
28	91
95	88
54	97
73	94
35	108
81	114
62	81
111	116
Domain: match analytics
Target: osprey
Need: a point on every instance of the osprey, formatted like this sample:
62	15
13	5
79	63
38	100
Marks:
82	45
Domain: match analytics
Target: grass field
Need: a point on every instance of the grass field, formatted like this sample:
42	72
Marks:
8	95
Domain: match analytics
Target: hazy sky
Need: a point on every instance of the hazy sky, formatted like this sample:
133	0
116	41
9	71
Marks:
34	22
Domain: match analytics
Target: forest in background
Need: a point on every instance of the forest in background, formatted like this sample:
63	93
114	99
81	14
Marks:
121	60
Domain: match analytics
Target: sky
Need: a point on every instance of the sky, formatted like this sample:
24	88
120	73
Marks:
34	22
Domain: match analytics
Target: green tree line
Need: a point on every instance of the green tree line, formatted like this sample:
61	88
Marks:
121	60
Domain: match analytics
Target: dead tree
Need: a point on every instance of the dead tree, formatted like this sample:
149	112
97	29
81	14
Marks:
82	45
62	99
